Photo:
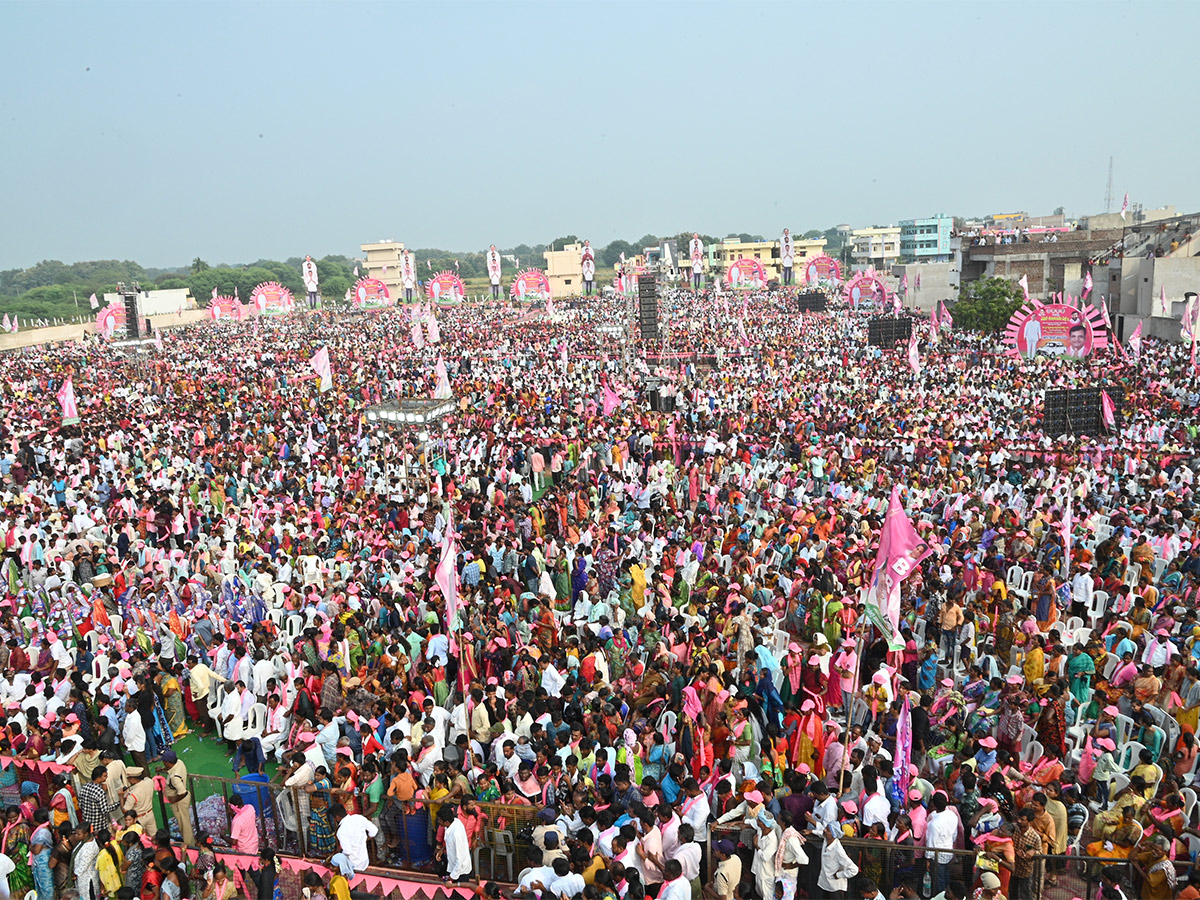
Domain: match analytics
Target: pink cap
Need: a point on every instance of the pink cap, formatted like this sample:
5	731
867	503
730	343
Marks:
1112	711
306	736
850	806
1107	743
989	742
754	797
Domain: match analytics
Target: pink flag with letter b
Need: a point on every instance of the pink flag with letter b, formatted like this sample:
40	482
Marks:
900	551
611	400
914	354
66	399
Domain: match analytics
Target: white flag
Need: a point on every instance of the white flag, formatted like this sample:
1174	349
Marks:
1124	206
1024	283
95	303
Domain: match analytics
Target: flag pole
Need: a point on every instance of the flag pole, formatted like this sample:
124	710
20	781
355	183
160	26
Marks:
842	785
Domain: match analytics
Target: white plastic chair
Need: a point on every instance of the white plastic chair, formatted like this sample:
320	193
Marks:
215	695
256	723
1074	624
1129	753
1013	578
1189	803
1110	665
1031	750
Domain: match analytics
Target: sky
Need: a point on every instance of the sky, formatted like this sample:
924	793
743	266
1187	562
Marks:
164	131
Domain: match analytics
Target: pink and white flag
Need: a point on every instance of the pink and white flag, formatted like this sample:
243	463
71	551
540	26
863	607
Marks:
434	331
1104	312
1162	300
158	345
6	325
904	284
94	302
418	335
214	294
1087	284
1108	411
442	390
900	551
66	399
445	576
742	333
16	326
914	354
356	271
611	400
1135	343
321	365
1024	283
1125	205
947	320
933	329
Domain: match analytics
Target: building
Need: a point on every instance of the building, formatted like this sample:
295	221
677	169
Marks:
926	240
876	247
564	268
383	262
1049	260
1135	216
730	250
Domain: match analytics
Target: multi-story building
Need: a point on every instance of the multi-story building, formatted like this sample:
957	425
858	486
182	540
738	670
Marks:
926	240
564	268
383	262
877	247
730	250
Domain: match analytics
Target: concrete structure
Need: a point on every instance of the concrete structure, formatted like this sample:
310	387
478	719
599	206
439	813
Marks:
1047	264
564	268
926	240
724	254
62	334
383	262
939	282
1114	220
156	303
1133	287
875	247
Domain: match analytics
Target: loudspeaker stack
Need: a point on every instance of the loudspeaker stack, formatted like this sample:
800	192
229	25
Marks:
648	308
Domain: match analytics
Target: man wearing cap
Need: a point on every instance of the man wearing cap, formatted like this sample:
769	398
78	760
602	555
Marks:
728	873
139	798
178	796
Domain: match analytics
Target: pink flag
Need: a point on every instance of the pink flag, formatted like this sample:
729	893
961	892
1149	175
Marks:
1024	283
1087	284
214	293
611	400
442	391
431	326
1065	526
904	284
418	335
16	325
95	303
1135	343
7	325
914	353
356	271
742	333
1162	300
1125	205
947	321
900	551
1108	411
1104	312
445	576
674	442
66	399
157	340
320	364
933	329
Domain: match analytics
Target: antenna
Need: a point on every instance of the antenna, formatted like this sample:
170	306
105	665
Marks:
1108	189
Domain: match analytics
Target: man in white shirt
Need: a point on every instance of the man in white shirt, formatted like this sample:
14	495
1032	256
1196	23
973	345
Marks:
353	832
940	832
457	848
675	886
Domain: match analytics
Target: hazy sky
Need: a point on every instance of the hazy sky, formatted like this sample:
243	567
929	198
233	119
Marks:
168	130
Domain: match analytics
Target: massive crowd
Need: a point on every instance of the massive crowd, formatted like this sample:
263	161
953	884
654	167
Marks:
655	636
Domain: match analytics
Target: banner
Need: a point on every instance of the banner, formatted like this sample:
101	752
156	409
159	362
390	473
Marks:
445	287
696	254
787	250
901	550
864	289
746	274
272	299
308	274
110	320
493	265
822	269
1055	329
531	284
904	738
224	307
408	272
371	293
320	364
66	399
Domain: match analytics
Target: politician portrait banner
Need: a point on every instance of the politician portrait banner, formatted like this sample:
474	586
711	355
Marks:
272	299
445	287
746	273
1055	329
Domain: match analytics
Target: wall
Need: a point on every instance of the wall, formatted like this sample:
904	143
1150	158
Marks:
1114	220
59	334
157	303
939	281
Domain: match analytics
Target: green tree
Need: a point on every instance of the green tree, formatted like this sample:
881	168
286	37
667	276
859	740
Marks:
611	255
987	305
646	240
198	265
560	243
813	234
